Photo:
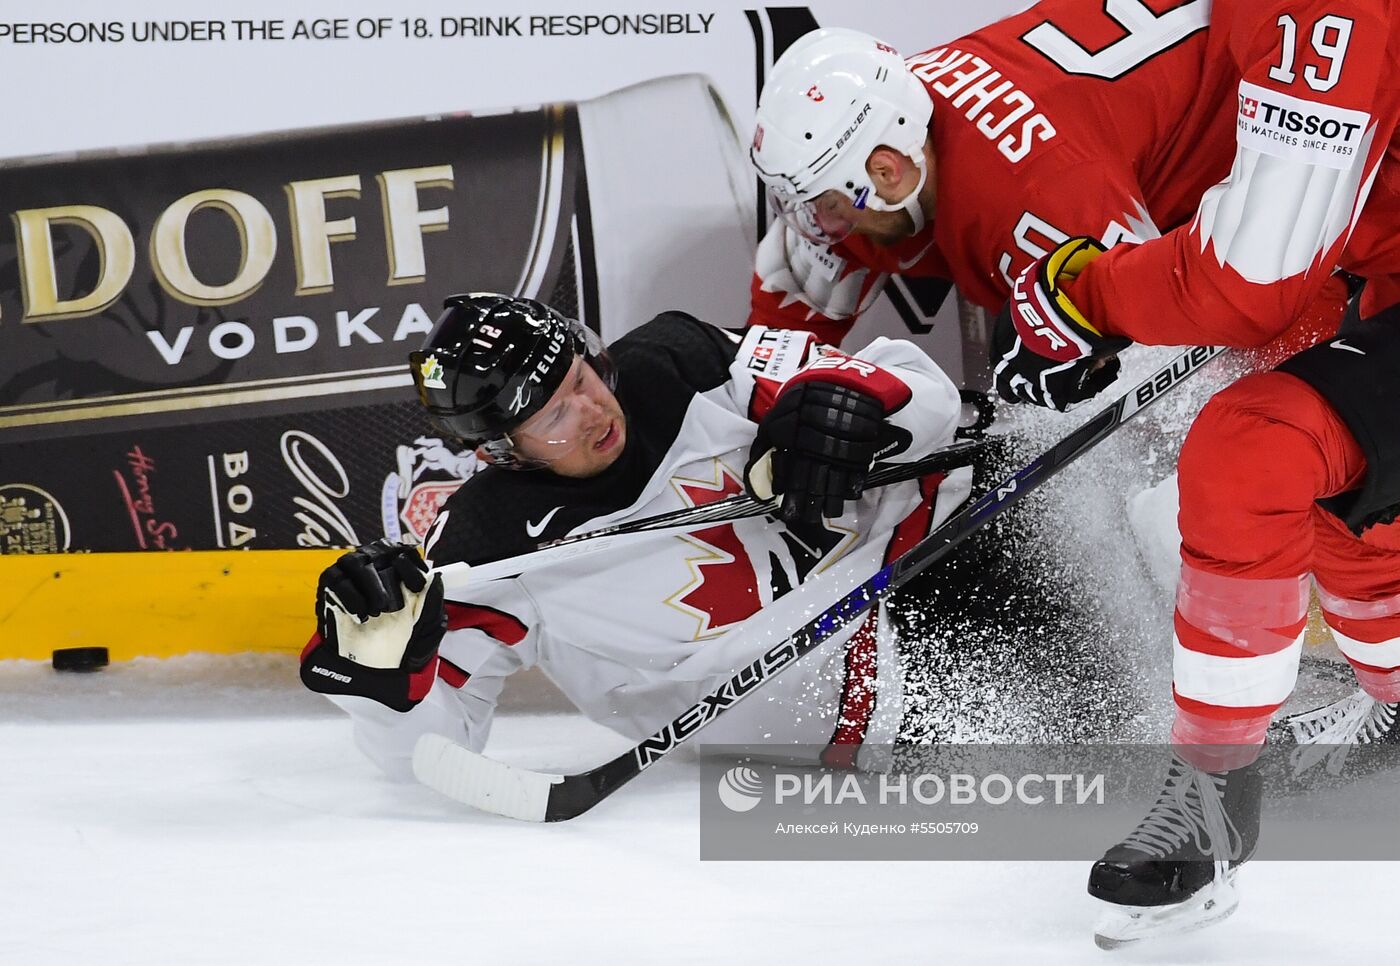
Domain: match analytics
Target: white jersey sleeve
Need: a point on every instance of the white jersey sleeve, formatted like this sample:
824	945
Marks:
919	397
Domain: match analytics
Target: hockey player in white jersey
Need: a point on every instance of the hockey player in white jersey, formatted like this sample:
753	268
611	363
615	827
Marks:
676	413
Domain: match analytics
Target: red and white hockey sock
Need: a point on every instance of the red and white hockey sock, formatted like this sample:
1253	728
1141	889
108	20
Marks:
1368	635
1235	661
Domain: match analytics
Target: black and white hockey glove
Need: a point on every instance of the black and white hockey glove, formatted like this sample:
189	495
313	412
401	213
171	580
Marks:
379	622
1044	351
823	438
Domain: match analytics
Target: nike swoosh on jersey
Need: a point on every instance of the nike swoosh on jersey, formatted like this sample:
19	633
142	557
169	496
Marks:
1339	344
535	529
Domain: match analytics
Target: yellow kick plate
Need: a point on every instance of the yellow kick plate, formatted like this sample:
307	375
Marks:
159	604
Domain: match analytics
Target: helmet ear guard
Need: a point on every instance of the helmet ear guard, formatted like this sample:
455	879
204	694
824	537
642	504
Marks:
502	454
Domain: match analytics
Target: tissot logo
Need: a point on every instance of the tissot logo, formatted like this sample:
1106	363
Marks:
1298	122
1296	128
775	348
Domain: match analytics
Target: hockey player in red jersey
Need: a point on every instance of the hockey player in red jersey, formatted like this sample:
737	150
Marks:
1285	476
978	157
1288	477
676	413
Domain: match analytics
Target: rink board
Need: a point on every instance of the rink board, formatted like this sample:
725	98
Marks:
158	604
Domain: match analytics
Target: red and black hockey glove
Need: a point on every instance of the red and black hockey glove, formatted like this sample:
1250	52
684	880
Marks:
1044	351
823	437
379	622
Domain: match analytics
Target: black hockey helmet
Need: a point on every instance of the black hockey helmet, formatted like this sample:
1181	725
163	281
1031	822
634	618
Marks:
492	361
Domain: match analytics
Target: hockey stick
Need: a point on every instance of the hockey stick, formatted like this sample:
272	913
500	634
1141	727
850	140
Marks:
533	796
461	576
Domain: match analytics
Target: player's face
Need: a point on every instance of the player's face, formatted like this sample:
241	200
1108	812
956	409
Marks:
581	430
838	217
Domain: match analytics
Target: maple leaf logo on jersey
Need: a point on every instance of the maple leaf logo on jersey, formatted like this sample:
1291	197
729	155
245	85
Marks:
725	585
1249	106
723	588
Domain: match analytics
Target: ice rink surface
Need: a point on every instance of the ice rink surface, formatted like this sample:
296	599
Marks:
207	810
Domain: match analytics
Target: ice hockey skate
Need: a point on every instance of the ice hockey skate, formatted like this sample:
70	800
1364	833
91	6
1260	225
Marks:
1176	871
1328	734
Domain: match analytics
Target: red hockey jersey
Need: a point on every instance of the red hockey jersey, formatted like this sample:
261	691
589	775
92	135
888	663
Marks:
1315	95
1072	118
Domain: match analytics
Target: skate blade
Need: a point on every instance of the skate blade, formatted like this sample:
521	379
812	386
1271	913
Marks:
1120	926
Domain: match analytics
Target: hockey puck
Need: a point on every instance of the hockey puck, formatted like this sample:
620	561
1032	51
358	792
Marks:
80	659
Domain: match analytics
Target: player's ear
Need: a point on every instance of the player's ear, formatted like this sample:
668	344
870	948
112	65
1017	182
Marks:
886	167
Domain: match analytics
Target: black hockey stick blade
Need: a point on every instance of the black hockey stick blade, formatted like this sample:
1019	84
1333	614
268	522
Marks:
533	796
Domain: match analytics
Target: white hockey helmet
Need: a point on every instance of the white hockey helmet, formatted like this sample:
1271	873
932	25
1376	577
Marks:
832	98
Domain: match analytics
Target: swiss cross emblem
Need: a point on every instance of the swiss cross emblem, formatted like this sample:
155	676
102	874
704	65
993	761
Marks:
815	94
758	138
1249	106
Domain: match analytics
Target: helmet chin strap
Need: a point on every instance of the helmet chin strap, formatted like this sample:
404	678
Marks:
910	203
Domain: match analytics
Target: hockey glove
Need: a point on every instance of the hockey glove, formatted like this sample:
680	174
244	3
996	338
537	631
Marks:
822	439
379	621
1043	349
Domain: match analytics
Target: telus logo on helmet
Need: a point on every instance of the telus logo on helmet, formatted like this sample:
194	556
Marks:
525	391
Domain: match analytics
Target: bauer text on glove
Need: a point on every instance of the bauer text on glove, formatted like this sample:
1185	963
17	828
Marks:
380	620
1043	349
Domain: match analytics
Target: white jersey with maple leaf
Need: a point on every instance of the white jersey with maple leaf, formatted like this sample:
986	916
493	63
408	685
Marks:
633	636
